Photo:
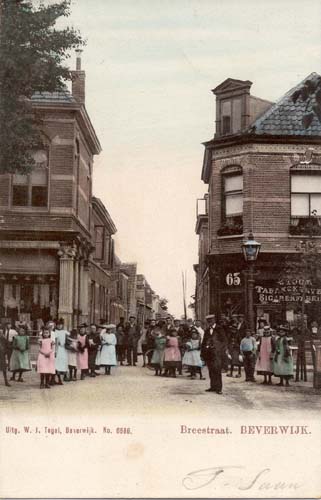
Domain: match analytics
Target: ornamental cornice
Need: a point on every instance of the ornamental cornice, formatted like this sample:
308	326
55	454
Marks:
42	245
246	149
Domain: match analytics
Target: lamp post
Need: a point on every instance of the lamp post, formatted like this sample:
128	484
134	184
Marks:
251	250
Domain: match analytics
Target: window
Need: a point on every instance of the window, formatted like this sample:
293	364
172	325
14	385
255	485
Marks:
233	195
111	252
20	190
231	116
232	202
31	190
305	195
99	242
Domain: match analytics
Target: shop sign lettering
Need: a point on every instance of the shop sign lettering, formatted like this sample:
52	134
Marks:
288	291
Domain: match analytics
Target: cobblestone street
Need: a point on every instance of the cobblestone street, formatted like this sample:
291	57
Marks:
136	391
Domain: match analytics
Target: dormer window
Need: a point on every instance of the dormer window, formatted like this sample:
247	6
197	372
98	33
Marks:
231	116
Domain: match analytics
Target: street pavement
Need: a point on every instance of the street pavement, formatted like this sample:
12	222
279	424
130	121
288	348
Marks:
136	391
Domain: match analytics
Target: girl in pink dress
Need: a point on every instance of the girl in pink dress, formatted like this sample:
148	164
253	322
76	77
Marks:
82	353
266	349
46	359
172	355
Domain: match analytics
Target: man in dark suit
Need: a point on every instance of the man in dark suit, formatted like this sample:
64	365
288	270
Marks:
132	334
213	350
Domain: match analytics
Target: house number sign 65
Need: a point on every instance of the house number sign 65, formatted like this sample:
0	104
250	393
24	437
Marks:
233	279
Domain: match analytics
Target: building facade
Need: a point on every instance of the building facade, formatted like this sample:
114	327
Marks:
263	172
56	248
144	299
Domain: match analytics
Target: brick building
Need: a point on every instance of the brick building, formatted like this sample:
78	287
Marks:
144	299
130	269
259	179
56	247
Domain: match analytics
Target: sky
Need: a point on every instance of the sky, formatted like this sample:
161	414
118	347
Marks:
150	67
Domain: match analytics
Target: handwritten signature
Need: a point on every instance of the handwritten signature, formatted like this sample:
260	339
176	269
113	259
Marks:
235	476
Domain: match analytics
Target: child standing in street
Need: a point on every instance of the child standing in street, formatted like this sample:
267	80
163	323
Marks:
19	361
172	355
192	355
72	354
108	349
82	351
46	359
283	361
248	350
157	359
265	356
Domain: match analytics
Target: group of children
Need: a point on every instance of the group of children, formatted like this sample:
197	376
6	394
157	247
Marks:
171	354
87	349
61	354
269	355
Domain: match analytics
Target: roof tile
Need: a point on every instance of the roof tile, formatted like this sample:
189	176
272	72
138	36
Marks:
285	117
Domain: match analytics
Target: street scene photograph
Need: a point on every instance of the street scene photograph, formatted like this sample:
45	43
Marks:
160	215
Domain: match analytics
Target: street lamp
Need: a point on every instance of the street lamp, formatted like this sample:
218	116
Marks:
251	250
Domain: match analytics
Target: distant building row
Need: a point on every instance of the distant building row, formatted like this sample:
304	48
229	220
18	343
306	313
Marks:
57	256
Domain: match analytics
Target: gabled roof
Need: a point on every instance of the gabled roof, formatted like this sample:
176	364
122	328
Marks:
231	84
285	117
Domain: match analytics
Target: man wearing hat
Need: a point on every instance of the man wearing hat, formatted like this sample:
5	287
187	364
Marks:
132	334
213	351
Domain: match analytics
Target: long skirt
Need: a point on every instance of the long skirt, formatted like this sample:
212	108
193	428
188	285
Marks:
20	361
92	355
172	357
108	355
192	358
158	358
82	360
264	361
61	361
283	367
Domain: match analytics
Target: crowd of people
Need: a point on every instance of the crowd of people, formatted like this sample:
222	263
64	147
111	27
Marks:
170	347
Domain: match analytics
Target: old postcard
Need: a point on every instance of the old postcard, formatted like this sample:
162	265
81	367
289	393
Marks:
160	249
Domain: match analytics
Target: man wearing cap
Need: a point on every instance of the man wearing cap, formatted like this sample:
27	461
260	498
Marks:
213	351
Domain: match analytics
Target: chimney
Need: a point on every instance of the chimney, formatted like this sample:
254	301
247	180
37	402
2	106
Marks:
78	80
